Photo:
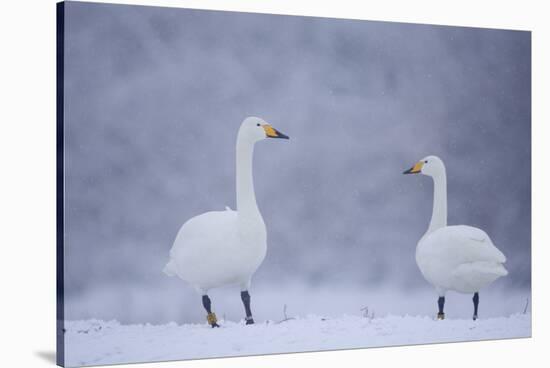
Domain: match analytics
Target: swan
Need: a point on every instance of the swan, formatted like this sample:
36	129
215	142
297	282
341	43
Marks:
221	248
459	258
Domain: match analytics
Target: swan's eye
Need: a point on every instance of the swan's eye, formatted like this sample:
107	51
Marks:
426	161
258	124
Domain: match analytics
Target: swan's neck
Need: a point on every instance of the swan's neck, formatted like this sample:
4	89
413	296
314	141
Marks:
439	213
246	199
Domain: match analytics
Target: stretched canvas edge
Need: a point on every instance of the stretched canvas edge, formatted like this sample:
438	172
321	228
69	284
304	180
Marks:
60	264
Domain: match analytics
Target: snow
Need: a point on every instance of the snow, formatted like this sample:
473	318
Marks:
175	301
95	342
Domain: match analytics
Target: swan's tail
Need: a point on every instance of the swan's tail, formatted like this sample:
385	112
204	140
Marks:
477	275
496	269
501	270
170	268
483	268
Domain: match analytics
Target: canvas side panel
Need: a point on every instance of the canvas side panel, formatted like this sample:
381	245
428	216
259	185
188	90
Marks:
60	326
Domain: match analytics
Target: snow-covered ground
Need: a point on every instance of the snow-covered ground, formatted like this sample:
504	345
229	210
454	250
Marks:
95	342
326	317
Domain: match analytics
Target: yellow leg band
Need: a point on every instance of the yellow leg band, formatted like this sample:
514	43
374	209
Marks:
211	318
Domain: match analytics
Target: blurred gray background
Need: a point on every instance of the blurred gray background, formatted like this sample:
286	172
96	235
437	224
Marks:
154	98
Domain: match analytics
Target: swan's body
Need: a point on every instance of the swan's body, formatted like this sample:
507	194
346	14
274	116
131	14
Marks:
459	258
237	256
226	247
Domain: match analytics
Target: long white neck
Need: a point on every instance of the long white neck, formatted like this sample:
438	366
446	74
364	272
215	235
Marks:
246	199
439	214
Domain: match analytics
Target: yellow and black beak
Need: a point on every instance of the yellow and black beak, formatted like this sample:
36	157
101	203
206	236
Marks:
271	132
415	169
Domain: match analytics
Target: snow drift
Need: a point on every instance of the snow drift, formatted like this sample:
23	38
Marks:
95	342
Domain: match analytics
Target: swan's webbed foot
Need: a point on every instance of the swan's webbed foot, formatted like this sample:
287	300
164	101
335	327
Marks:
245	297
210	317
475	317
440	316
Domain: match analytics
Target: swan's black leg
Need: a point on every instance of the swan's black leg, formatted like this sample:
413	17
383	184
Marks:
441	304
476	303
210	317
245	297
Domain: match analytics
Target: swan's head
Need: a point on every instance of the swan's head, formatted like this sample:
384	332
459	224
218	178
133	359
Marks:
256	129
430	165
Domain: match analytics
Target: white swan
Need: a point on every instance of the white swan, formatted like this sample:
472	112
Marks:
226	247
460	258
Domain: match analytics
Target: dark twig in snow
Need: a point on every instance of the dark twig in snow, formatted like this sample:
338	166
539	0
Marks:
366	315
